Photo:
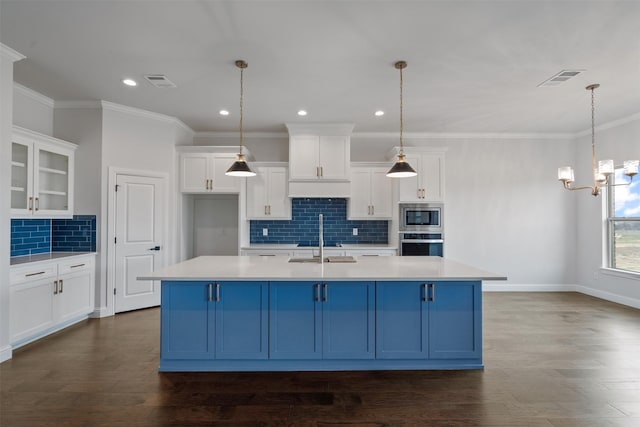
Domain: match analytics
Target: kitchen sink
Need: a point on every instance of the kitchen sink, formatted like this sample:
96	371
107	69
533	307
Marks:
314	260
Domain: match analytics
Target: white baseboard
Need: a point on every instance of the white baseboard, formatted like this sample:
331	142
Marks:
5	353
620	299
101	312
508	287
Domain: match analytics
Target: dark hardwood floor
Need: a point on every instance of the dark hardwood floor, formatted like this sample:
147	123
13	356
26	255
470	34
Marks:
551	359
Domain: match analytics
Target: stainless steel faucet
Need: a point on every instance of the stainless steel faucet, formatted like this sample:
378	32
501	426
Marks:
321	240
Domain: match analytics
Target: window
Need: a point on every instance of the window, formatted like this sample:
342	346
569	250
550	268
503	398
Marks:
623	219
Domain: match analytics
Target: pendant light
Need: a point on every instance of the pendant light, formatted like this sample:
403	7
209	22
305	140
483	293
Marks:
603	169
401	169
240	167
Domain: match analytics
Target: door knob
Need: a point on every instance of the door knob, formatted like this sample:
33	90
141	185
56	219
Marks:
155	248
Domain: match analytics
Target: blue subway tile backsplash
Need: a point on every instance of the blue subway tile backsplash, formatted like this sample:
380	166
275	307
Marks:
30	236
35	236
74	235
303	226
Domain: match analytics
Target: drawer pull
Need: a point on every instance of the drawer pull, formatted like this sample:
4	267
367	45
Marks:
77	265
34	274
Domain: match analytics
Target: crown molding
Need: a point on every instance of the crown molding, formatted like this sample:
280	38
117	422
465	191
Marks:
36	96
610	125
453	135
112	106
77	104
253	135
12	54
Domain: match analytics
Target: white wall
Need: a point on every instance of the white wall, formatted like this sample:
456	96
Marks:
32	110
136	140
620	143
7	57
82	125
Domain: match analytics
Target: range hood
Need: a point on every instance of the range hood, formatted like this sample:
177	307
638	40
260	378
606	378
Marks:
320	159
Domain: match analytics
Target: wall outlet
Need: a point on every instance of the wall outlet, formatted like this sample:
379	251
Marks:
355	231
265	231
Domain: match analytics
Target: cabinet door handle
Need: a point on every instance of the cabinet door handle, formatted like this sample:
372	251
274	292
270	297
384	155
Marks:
265	209
30	203
37	204
269	209
55	287
317	298
77	265
321	171
373	210
34	274
325	288
61	286
210	295
425	292
217	292
433	291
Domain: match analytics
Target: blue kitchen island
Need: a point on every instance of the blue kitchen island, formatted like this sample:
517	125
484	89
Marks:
226	313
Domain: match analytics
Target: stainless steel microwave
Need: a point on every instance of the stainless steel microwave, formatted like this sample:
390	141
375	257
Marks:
421	217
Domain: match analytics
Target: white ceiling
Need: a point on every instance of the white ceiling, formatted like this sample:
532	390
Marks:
474	66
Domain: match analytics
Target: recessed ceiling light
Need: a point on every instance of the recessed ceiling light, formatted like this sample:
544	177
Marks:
224	113
129	82
379	113
302	113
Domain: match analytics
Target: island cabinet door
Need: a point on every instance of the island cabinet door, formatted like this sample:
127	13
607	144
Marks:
187	320
455	320
241	320
402	320
348	320
295	320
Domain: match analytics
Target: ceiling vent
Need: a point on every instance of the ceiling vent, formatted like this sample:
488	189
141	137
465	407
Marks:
159	80
560	78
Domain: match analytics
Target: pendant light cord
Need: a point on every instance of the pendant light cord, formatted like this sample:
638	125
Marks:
593	136
401	113
241	101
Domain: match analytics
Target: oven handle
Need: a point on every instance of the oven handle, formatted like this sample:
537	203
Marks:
422	241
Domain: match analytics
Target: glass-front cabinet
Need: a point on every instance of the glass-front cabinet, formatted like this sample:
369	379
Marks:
42	171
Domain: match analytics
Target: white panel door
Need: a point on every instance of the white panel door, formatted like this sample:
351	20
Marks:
194	173
139	244
334	157
359	203
303	157
279	201
224	183
381	193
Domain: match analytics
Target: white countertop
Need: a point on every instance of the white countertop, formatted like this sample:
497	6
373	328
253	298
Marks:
278	268
370	246
48	256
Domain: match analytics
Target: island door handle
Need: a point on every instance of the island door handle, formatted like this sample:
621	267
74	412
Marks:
325	288
217	292
317	298
432	289
425	292
210	286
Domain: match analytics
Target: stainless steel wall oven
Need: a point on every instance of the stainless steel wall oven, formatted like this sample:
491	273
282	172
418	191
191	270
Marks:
421	229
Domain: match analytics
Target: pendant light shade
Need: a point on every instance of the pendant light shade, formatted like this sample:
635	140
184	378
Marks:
401	169
240	167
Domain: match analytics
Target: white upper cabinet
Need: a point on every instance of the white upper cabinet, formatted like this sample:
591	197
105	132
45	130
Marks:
319	160
371	192
203	171
428	185
42	175
267	193
314	157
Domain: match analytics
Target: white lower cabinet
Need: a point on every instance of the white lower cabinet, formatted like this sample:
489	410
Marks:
49	295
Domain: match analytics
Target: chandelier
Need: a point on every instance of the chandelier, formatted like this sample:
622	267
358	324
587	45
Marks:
603	169
401	169
240	166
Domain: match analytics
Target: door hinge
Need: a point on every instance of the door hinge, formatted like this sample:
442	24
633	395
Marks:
115	240
117	187
114	291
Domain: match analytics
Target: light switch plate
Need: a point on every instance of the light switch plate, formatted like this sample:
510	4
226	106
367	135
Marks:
265	231
355	231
